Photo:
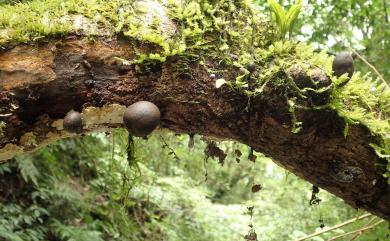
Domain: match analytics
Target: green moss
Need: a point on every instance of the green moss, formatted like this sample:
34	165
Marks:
232	33
366	101
32	21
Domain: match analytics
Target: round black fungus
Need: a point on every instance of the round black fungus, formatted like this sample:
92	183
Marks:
141	118
343	63
73	122
252	67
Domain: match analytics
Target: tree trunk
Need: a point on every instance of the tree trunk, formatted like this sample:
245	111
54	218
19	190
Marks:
41	82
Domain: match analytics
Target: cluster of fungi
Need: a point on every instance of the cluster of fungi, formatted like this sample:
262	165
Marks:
140	119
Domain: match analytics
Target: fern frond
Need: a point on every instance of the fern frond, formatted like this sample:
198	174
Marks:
5	168
9	235
70	233
27	169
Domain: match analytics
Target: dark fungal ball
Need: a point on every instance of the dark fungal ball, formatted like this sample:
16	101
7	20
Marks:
73	122
141	118
343	63
252	67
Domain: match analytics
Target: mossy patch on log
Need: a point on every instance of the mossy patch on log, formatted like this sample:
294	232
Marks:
233	34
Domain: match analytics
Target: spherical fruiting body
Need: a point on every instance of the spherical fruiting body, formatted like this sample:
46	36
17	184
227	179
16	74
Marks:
212	76
252	67
343	63
73	122
141	118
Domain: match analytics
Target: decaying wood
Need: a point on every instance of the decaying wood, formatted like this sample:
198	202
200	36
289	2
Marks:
39	84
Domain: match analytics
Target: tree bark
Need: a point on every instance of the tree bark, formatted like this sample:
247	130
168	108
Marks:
40	84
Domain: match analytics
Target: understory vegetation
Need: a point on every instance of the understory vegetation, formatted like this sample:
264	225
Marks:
85	189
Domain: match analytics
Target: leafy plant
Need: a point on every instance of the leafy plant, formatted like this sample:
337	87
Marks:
285	20
70	233
27	169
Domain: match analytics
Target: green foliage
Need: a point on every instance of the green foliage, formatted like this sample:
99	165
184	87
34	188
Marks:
5	168
70	233
84	192
285	20
19	223
362	25
27	169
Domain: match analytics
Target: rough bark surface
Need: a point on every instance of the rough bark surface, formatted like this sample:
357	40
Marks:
40	84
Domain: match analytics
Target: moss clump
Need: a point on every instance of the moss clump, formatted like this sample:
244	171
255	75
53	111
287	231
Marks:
366	101
32	21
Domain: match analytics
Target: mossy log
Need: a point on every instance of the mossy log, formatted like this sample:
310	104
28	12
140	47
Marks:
285	107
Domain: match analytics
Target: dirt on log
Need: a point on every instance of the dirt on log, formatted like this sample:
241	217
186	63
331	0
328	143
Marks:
40	83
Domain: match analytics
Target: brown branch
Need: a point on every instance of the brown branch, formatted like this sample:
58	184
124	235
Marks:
366	225
370	65
356	231
334	227
45	81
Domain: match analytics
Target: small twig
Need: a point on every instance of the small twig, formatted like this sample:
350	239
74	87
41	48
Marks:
366	225
334	227
369	65
356	231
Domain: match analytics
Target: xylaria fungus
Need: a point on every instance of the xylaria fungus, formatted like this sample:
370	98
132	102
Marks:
73	122
141	118
252	67
343	63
